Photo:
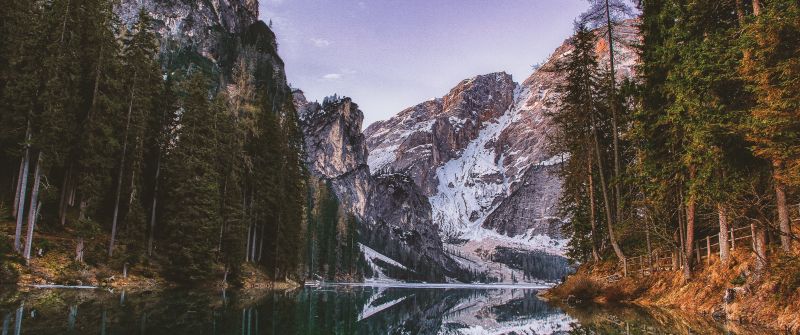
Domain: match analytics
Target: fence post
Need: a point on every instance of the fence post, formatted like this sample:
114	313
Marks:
708	252
674	264
625	266
699	258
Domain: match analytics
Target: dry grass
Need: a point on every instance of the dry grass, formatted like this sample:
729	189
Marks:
771	300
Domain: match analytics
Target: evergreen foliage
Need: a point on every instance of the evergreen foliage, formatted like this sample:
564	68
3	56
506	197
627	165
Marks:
707	130
142	152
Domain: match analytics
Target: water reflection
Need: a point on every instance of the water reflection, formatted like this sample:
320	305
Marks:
326	310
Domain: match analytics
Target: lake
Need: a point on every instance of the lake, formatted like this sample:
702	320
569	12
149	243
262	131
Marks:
333	309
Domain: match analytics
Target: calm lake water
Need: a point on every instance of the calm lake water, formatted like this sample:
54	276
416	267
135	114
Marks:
328	310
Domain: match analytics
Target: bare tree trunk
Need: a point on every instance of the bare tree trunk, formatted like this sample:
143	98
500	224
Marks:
756	7
34	207
151	234
62	203
592	211
724	247
783	210
604	186
760	247
15	210
253	243
120	175
614	116
22	190
247	248
690	223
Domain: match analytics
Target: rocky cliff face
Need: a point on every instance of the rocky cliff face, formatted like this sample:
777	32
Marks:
193	23
214	36
336	149
483	157
395	215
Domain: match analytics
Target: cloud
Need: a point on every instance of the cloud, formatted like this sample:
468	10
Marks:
332	76
320	42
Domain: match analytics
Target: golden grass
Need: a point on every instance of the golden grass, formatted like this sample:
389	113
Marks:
771	300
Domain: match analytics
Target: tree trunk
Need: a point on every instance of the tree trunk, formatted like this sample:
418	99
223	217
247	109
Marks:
247	248
756	7
151	234
34	207
604	186
724	247
15	209
22	190
760	248
614	120
120	175
690	223
592	210
62	203
783	210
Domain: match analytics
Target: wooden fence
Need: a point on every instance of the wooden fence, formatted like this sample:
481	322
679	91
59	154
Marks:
660	260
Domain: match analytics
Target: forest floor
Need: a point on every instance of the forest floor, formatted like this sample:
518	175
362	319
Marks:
771	300
53	263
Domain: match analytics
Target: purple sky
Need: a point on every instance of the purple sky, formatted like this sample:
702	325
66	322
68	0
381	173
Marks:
392	54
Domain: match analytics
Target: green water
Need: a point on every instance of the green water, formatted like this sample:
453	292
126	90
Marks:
327	310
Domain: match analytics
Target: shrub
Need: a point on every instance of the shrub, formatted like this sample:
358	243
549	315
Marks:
739	280
787	272
583	288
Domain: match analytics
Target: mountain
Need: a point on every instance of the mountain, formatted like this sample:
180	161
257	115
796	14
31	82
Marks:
213	35
483	157
398	236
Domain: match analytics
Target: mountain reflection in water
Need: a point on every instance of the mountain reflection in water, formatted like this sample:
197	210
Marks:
325	310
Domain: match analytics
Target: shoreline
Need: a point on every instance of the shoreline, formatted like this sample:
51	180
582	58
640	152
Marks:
443	285
731	295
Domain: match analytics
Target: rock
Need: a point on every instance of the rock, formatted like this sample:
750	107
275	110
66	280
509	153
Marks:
719	313
335	148
730	296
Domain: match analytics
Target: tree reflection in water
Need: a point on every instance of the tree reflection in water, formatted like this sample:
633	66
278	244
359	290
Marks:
325	310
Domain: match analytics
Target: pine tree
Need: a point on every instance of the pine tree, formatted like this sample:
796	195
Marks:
192	208
772	49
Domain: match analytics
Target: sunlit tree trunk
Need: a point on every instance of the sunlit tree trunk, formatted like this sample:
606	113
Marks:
782	208
35	206
606	202
22	190
690	223
724	247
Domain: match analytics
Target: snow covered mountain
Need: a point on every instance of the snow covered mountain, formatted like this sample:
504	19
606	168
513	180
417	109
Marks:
482	154
460	187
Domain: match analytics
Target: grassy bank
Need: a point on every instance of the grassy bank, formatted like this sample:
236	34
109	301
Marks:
771	299
53	263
